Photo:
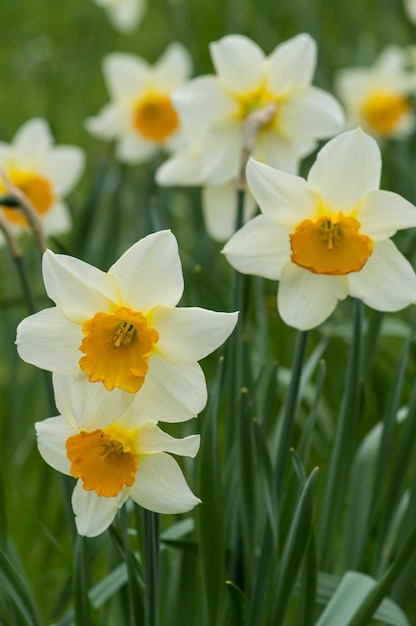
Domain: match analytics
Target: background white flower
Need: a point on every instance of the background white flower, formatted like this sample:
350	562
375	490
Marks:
113	462
124	15
247	81
378	97
45	173
141	116
329	236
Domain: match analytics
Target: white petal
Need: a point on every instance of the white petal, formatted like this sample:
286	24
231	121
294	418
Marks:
32	142
219	207
183	168
173	68
281	196
277	151
57	220
346	169
311	114
110	122
126	15
52	435
171	393
62	387
382	213
261	247
93	406
387	281
239	63
48	340
190	334
63	167
124	74
305	299
221	156
94	513
205	97
291	64
79	289
161	487
150	272
153	439
133	149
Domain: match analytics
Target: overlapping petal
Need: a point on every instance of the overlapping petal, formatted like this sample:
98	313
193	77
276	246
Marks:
174	67
382	213
221	158
219	208
305	299
237	60
292	64
63	166
124	74
152	439
346	169
94	514
52	434
161	487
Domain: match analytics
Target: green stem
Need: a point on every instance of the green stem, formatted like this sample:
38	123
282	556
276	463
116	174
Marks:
362	616
344	440
290	409
25	285
151	543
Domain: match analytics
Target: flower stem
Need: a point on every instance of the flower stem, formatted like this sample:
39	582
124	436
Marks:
151	549
290	409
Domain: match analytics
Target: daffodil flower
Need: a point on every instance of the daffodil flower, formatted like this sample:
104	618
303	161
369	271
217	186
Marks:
45	173
123	332
127	458
141	116
329	236
248	81
378	98
124	15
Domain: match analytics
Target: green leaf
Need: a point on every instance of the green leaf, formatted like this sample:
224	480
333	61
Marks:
15	587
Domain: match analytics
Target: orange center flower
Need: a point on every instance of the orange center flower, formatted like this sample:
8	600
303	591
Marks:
328	246
155	118
101	462
117	348
384	111
36	188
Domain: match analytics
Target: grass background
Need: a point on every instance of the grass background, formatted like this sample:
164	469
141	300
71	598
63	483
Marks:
50	58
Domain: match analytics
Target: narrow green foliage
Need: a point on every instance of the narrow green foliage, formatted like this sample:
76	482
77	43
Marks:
13	585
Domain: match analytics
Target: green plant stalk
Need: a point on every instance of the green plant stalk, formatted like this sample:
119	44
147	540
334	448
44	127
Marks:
365	612
151	552
80	585
343	448
290	410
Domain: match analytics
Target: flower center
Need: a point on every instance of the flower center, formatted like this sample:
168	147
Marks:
155	118
117	348
101	461
384	111
249	103
36	188
330	246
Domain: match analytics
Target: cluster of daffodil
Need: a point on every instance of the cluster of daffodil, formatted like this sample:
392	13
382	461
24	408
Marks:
124	357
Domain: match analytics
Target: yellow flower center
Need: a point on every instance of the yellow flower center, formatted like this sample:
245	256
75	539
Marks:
330	246
104	463
155	118
117	348
35	187
249	103
384	111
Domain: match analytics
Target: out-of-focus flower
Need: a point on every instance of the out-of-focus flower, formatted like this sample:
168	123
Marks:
122	330
124	15
329	236
126	458
410	10
377	98
140	115
43	172
246	82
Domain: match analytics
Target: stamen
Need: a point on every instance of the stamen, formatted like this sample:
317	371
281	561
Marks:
331	232
124	335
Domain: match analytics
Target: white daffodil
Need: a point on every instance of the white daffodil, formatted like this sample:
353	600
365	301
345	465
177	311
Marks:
43	172
140	115
126	458
122	331
124	15
410	10
377	98
246	82
329	236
